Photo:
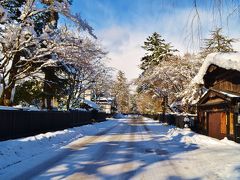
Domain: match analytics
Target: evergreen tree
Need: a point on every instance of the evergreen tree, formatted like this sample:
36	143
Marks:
13	7
28	93
157	51
121	92
217	43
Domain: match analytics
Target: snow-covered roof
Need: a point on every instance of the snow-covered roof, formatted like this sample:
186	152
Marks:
223	60
91	104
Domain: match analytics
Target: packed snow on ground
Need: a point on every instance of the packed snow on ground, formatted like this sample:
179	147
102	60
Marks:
43	146
195	151
191	155
120	116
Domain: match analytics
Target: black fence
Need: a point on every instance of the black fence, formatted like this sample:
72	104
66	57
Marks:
18	123
152	116
178	120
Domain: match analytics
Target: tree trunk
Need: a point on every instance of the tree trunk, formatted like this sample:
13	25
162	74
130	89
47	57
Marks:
48	88
71	87
49	73
6	97
69	100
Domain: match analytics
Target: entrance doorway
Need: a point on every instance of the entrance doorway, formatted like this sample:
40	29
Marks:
217	124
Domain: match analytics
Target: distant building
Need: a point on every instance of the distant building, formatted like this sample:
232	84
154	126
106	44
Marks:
107	104
219	107
88	94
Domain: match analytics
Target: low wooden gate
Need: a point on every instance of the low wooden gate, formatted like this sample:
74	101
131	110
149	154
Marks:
217	124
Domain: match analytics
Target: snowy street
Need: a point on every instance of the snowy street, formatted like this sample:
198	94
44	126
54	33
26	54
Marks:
119	89
137	148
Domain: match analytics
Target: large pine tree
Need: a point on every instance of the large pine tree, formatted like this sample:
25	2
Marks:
157	51
217	43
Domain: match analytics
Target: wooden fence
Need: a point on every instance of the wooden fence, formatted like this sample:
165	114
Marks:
18	123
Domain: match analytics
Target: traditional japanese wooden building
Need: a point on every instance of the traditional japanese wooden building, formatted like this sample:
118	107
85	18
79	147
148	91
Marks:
219	108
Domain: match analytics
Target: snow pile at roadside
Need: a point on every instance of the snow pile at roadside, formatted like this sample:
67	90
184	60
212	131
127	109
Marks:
18	150
195	156
189	137
119	116
185	135
7	108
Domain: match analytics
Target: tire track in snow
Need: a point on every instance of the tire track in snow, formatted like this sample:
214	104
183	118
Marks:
102	154
70	149
158	151
130	156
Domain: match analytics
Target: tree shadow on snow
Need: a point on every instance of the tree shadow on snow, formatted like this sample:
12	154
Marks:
119	157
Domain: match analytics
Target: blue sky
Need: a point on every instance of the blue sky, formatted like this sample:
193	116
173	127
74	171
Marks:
123	25
100	13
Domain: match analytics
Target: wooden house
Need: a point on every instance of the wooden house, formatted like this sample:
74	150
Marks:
219	108
107	104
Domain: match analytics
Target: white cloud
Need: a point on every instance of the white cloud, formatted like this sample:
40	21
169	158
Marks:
115	38
124	42
124	49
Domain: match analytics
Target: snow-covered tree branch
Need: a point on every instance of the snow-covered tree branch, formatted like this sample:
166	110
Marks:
30	42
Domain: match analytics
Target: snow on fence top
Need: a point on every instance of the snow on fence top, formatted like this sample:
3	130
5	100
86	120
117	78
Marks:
223	60
7	108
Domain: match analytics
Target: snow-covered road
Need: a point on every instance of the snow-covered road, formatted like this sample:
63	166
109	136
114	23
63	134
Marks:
140	148
121	153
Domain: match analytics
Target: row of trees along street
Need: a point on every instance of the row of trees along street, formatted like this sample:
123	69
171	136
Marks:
166	77
42	60
165	83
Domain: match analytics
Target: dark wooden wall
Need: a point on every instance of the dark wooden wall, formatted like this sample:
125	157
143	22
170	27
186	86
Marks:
16	124
222	79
